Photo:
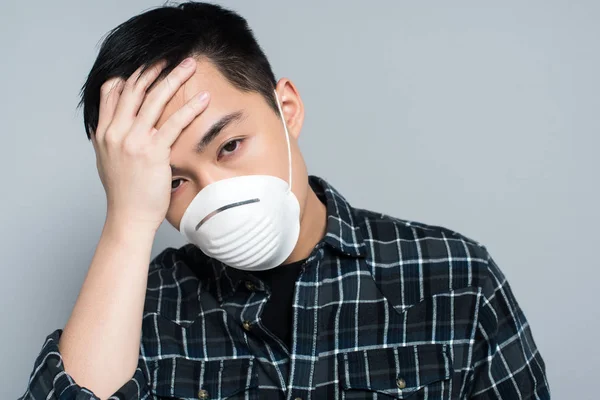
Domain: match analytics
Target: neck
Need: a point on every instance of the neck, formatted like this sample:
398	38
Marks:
312	228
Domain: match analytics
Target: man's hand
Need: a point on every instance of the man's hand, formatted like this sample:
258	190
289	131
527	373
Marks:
132	155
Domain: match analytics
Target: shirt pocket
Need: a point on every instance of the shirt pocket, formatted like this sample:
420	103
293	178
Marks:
398	372
181	378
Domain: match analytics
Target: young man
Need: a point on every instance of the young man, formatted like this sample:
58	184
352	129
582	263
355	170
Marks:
285	291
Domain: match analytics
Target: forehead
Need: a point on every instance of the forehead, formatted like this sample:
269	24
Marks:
224	97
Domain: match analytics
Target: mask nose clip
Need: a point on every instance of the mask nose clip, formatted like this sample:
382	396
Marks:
225	207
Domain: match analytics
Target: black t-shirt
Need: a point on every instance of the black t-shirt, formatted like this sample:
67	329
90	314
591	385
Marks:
277	315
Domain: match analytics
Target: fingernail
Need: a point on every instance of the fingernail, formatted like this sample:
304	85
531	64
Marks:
188	62
203	96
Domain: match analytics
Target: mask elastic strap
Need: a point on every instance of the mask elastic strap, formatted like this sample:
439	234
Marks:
287	138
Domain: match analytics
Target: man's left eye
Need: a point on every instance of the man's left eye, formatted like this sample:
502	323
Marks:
230	146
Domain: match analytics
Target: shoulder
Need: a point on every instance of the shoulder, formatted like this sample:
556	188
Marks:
175	277
436	240
170	264
436	256
171	259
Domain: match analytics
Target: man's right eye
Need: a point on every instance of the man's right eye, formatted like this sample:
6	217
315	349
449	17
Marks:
175	183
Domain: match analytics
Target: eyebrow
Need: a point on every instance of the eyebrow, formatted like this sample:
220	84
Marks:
212	133
216	129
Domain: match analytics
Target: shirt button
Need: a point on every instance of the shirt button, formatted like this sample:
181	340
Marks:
250	286
247	325
203	394
401	383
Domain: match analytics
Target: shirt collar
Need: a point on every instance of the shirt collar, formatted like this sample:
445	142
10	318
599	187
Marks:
343	235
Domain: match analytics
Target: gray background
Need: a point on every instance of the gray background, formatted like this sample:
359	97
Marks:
481	118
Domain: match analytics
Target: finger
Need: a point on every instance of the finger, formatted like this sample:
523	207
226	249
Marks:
154	104
110	91
132	96
172	128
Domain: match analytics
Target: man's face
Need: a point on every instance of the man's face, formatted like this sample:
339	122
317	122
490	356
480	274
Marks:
251	141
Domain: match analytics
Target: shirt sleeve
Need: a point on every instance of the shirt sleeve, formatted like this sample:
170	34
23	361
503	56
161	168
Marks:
507	363
48	380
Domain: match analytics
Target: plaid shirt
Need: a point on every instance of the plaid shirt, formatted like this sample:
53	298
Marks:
383	308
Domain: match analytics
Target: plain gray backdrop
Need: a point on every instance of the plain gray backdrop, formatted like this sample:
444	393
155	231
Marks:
482	118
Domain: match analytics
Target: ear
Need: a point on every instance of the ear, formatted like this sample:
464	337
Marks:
291	105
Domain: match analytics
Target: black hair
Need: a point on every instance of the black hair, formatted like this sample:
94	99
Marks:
172	33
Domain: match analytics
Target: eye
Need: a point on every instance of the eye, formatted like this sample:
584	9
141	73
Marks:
175	184
229	147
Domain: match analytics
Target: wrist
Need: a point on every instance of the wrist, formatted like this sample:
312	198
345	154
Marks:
126	229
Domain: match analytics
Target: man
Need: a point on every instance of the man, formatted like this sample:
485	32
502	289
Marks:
285	291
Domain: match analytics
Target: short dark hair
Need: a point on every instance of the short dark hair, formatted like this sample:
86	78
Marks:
172	33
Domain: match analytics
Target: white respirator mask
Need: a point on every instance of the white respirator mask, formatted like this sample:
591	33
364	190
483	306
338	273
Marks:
247	222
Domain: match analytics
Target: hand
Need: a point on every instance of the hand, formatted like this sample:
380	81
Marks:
132	156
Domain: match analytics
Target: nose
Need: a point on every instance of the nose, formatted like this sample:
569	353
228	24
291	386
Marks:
207	176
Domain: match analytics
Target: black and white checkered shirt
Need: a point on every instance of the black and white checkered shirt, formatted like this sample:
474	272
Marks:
383	308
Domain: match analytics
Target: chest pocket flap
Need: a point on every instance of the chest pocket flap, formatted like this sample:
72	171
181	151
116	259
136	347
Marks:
181	378
397	372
